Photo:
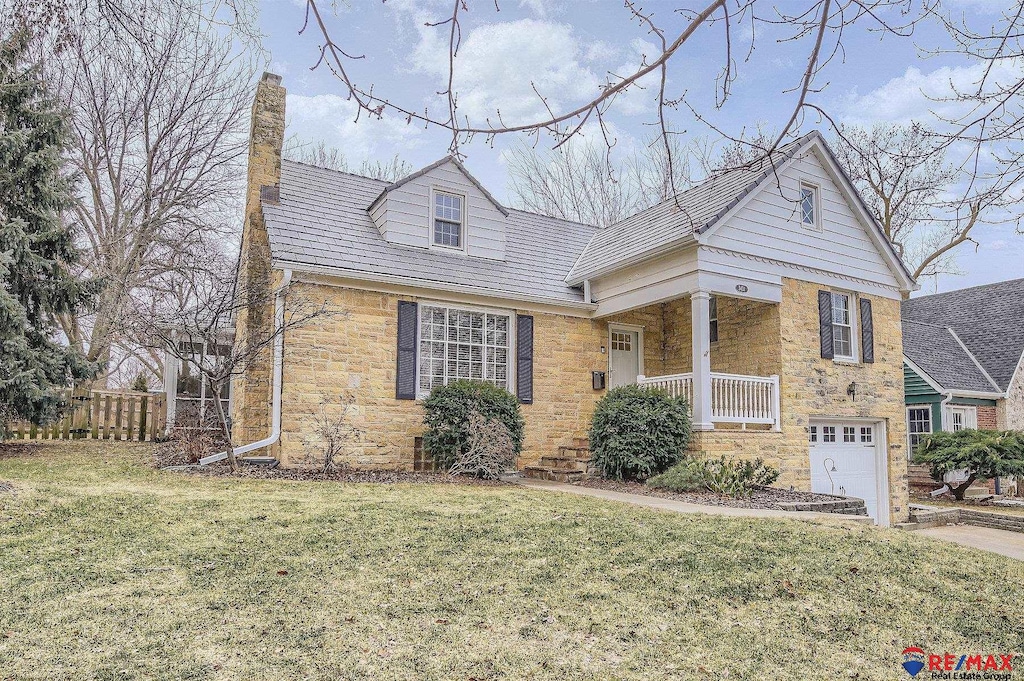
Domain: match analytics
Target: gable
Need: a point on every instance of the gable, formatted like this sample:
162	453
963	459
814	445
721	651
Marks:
768	226
404	211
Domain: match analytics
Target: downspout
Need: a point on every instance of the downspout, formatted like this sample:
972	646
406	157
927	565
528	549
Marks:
276	381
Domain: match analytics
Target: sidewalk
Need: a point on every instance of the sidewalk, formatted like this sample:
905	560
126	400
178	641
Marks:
674	506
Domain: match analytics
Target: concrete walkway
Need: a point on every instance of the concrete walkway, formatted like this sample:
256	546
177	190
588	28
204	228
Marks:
987	539
682	506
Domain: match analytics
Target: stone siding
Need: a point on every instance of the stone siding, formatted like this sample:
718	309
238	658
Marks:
1011	410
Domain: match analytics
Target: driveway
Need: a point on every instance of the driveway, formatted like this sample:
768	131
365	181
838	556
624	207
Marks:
997	541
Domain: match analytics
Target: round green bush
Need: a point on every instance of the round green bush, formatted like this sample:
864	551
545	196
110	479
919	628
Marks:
638	432
448	408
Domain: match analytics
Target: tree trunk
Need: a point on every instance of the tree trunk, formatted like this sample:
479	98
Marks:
222	418
961	490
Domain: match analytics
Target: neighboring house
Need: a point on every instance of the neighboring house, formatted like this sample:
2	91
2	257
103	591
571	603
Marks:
767	295
963	354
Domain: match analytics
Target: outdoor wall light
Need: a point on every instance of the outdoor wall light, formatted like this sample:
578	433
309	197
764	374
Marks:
741	288
851	390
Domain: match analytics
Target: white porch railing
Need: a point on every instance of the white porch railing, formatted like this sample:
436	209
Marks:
734	398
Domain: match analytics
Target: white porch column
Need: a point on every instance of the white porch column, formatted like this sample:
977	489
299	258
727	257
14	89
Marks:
701	331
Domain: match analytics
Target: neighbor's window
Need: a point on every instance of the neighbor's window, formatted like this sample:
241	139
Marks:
842	326
457	344
919	424
809	205
448	220
713	318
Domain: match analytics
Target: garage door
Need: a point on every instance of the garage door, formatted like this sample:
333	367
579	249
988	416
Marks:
844	460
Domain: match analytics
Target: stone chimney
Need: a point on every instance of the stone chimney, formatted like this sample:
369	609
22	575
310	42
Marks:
252	393
265	139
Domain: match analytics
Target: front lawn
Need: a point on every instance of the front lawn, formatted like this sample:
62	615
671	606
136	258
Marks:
112	570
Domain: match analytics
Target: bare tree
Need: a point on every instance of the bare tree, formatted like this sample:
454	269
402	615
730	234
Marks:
582	182
322	155
159	122
206	320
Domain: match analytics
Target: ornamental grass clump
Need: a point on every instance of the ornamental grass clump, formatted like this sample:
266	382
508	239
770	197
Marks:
638	432
450	433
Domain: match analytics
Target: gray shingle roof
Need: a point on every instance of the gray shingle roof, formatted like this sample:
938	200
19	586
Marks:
322	220
672	220
934	348
988	319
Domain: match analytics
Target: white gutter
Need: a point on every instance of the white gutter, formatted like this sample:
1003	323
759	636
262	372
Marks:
275	414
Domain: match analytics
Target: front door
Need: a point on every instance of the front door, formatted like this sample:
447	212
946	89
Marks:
625	357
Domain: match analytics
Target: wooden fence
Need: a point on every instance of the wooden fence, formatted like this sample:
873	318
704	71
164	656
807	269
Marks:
103	415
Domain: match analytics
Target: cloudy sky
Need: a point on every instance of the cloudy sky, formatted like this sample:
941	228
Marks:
566	50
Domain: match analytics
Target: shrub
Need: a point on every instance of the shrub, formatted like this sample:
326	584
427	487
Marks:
982	453
448	408
328	433
638	432
737	479
490	452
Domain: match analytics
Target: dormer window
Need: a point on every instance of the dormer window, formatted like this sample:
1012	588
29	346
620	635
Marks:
449	219
808	205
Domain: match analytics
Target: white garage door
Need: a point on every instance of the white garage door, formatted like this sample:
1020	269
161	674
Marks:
844	460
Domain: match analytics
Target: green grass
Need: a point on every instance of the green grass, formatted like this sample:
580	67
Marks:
111	570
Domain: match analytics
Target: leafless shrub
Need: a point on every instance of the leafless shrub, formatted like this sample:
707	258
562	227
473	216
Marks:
490	453
329	432
195	434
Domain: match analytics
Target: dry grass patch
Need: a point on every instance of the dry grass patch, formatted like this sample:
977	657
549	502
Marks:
112	570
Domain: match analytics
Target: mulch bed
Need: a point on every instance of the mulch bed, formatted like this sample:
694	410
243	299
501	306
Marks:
766	497
166	455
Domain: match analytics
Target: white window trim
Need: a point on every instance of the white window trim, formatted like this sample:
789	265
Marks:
463	235
970	413
816	189
854	328
510	374
931	425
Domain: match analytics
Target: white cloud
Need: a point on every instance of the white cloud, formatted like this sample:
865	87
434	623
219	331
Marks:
642	96
331	119
916	94
499	64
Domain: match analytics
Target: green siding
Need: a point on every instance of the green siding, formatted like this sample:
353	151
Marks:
915	386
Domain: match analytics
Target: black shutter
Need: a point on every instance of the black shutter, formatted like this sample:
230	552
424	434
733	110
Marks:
524	358
867	331
405	376
825	324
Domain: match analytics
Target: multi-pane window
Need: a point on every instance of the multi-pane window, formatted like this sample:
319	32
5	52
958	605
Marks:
814	433
828	434
463	344
919	424
849	434
193	395
867	434
713	318
842	326
622	340
808	205
448	220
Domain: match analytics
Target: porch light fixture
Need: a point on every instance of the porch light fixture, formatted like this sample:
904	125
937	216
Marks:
741	288
851	390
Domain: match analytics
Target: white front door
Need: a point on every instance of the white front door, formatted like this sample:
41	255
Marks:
625	357
844	461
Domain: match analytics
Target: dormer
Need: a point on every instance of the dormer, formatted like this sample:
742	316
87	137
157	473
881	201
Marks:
442	207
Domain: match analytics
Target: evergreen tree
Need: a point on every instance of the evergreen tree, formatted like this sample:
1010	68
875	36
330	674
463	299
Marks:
36	249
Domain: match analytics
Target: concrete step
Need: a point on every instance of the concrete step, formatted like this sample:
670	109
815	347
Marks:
553	474
563	462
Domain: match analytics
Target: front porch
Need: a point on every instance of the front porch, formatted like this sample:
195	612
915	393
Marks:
721	352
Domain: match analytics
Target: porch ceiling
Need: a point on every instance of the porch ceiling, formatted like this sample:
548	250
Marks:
611	301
